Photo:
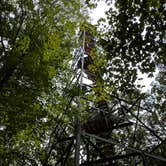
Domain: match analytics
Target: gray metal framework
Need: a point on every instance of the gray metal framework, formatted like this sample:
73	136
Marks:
92	141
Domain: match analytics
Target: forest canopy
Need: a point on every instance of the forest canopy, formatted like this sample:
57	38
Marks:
43	101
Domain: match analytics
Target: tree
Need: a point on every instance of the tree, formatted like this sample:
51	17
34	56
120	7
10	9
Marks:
36	38
133	40
40	95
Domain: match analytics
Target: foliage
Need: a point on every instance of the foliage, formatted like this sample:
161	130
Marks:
36	38
134	39
39	94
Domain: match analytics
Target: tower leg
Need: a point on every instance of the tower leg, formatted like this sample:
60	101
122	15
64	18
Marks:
78	142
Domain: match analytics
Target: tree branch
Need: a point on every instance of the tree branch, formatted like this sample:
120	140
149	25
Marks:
8	71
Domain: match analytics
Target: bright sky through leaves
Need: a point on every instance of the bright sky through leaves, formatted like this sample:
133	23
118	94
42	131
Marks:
99	12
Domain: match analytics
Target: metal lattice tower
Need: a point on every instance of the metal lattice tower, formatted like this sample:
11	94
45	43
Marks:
99	124
92	139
